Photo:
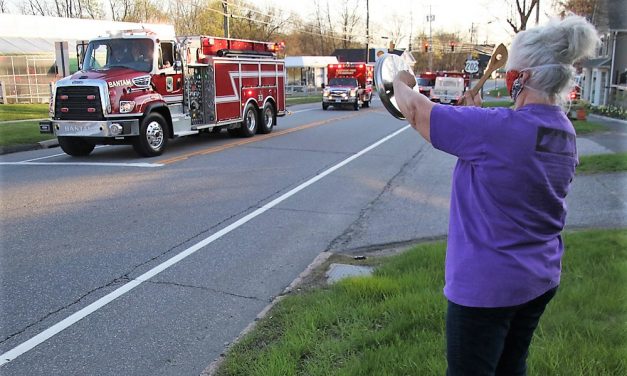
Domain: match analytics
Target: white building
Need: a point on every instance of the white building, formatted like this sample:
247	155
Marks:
307	73
605	75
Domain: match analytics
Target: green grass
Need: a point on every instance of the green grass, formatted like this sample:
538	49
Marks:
302	100
22	133
585	127
503	103
600	163
495	92
393	323
23	111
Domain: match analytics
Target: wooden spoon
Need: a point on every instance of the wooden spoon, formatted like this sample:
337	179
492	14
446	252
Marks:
498	60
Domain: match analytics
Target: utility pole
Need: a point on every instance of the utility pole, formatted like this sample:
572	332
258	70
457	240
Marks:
411	28
538	13
430	18
225	10
367	31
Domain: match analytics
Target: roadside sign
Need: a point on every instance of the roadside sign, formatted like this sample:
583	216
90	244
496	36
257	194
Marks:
472	66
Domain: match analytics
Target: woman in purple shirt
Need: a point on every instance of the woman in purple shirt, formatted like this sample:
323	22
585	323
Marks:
508	207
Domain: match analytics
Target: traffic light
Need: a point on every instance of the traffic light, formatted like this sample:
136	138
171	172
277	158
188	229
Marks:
452	44
426	47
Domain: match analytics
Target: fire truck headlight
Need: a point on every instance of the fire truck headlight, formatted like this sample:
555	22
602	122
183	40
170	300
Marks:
115	129
126	106
353	92
326	92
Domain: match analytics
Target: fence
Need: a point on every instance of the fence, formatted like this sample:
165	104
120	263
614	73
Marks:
302	90
26	78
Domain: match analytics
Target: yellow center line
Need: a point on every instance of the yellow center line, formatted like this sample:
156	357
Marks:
257	138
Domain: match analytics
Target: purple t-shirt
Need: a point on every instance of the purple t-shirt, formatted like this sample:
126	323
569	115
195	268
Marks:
508	205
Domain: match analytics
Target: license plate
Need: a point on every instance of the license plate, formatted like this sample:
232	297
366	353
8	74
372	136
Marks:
445	100
338	100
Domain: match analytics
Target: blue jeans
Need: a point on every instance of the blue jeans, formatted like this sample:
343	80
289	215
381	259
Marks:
491	341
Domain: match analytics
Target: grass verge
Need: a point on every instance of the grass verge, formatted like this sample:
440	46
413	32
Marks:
393	323
503	103
601	163
23	111
22	133
502	91
302	100
585	127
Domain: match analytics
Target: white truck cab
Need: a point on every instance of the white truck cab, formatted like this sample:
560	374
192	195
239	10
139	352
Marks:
447	90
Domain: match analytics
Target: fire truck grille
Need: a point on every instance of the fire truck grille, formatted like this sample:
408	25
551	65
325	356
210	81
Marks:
78	103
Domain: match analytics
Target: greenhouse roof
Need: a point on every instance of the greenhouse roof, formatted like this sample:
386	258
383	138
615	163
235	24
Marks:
26	46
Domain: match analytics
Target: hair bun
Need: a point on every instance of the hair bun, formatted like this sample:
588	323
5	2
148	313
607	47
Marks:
579	38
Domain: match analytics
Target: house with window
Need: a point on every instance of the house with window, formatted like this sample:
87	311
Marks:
306	73
604	77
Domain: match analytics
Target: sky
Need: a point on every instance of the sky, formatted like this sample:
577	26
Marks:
486	17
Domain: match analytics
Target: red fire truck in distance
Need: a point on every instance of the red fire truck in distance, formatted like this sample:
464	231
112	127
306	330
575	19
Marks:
136	87
425	82
349	84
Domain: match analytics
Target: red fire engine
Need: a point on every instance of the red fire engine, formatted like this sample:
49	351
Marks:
140	88
349	84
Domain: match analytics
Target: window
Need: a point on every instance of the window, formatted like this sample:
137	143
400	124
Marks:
166	59
136	54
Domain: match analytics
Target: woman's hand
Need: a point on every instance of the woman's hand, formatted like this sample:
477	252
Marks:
471	100
406	78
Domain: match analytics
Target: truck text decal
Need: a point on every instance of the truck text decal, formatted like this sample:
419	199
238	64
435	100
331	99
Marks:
120	83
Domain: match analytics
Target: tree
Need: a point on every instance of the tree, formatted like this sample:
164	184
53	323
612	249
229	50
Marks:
192	17
36	8
585	8
250	22
522	14
64	8
137	11
397	33
350	18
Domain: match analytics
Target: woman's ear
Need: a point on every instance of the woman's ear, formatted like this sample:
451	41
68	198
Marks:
524	76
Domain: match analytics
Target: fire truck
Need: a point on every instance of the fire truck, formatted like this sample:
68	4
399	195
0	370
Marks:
136	87
349	84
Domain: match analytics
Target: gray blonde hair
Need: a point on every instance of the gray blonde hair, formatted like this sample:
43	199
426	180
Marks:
549	52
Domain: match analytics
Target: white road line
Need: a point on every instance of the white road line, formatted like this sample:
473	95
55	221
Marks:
305	110
58	155
144	165
79	315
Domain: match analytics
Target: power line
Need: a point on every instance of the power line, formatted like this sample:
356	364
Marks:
292	22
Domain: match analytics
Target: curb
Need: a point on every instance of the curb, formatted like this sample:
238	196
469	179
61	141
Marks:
27	147
607	118
319	260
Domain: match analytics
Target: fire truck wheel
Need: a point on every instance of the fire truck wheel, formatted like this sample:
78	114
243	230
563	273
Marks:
249	125
268	119
356	106
75	146
152	136
325	106
366	103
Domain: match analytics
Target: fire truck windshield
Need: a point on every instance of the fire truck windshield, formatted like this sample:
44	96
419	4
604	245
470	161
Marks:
346	81
136	54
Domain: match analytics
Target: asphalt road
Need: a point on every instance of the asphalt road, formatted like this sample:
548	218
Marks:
116	265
